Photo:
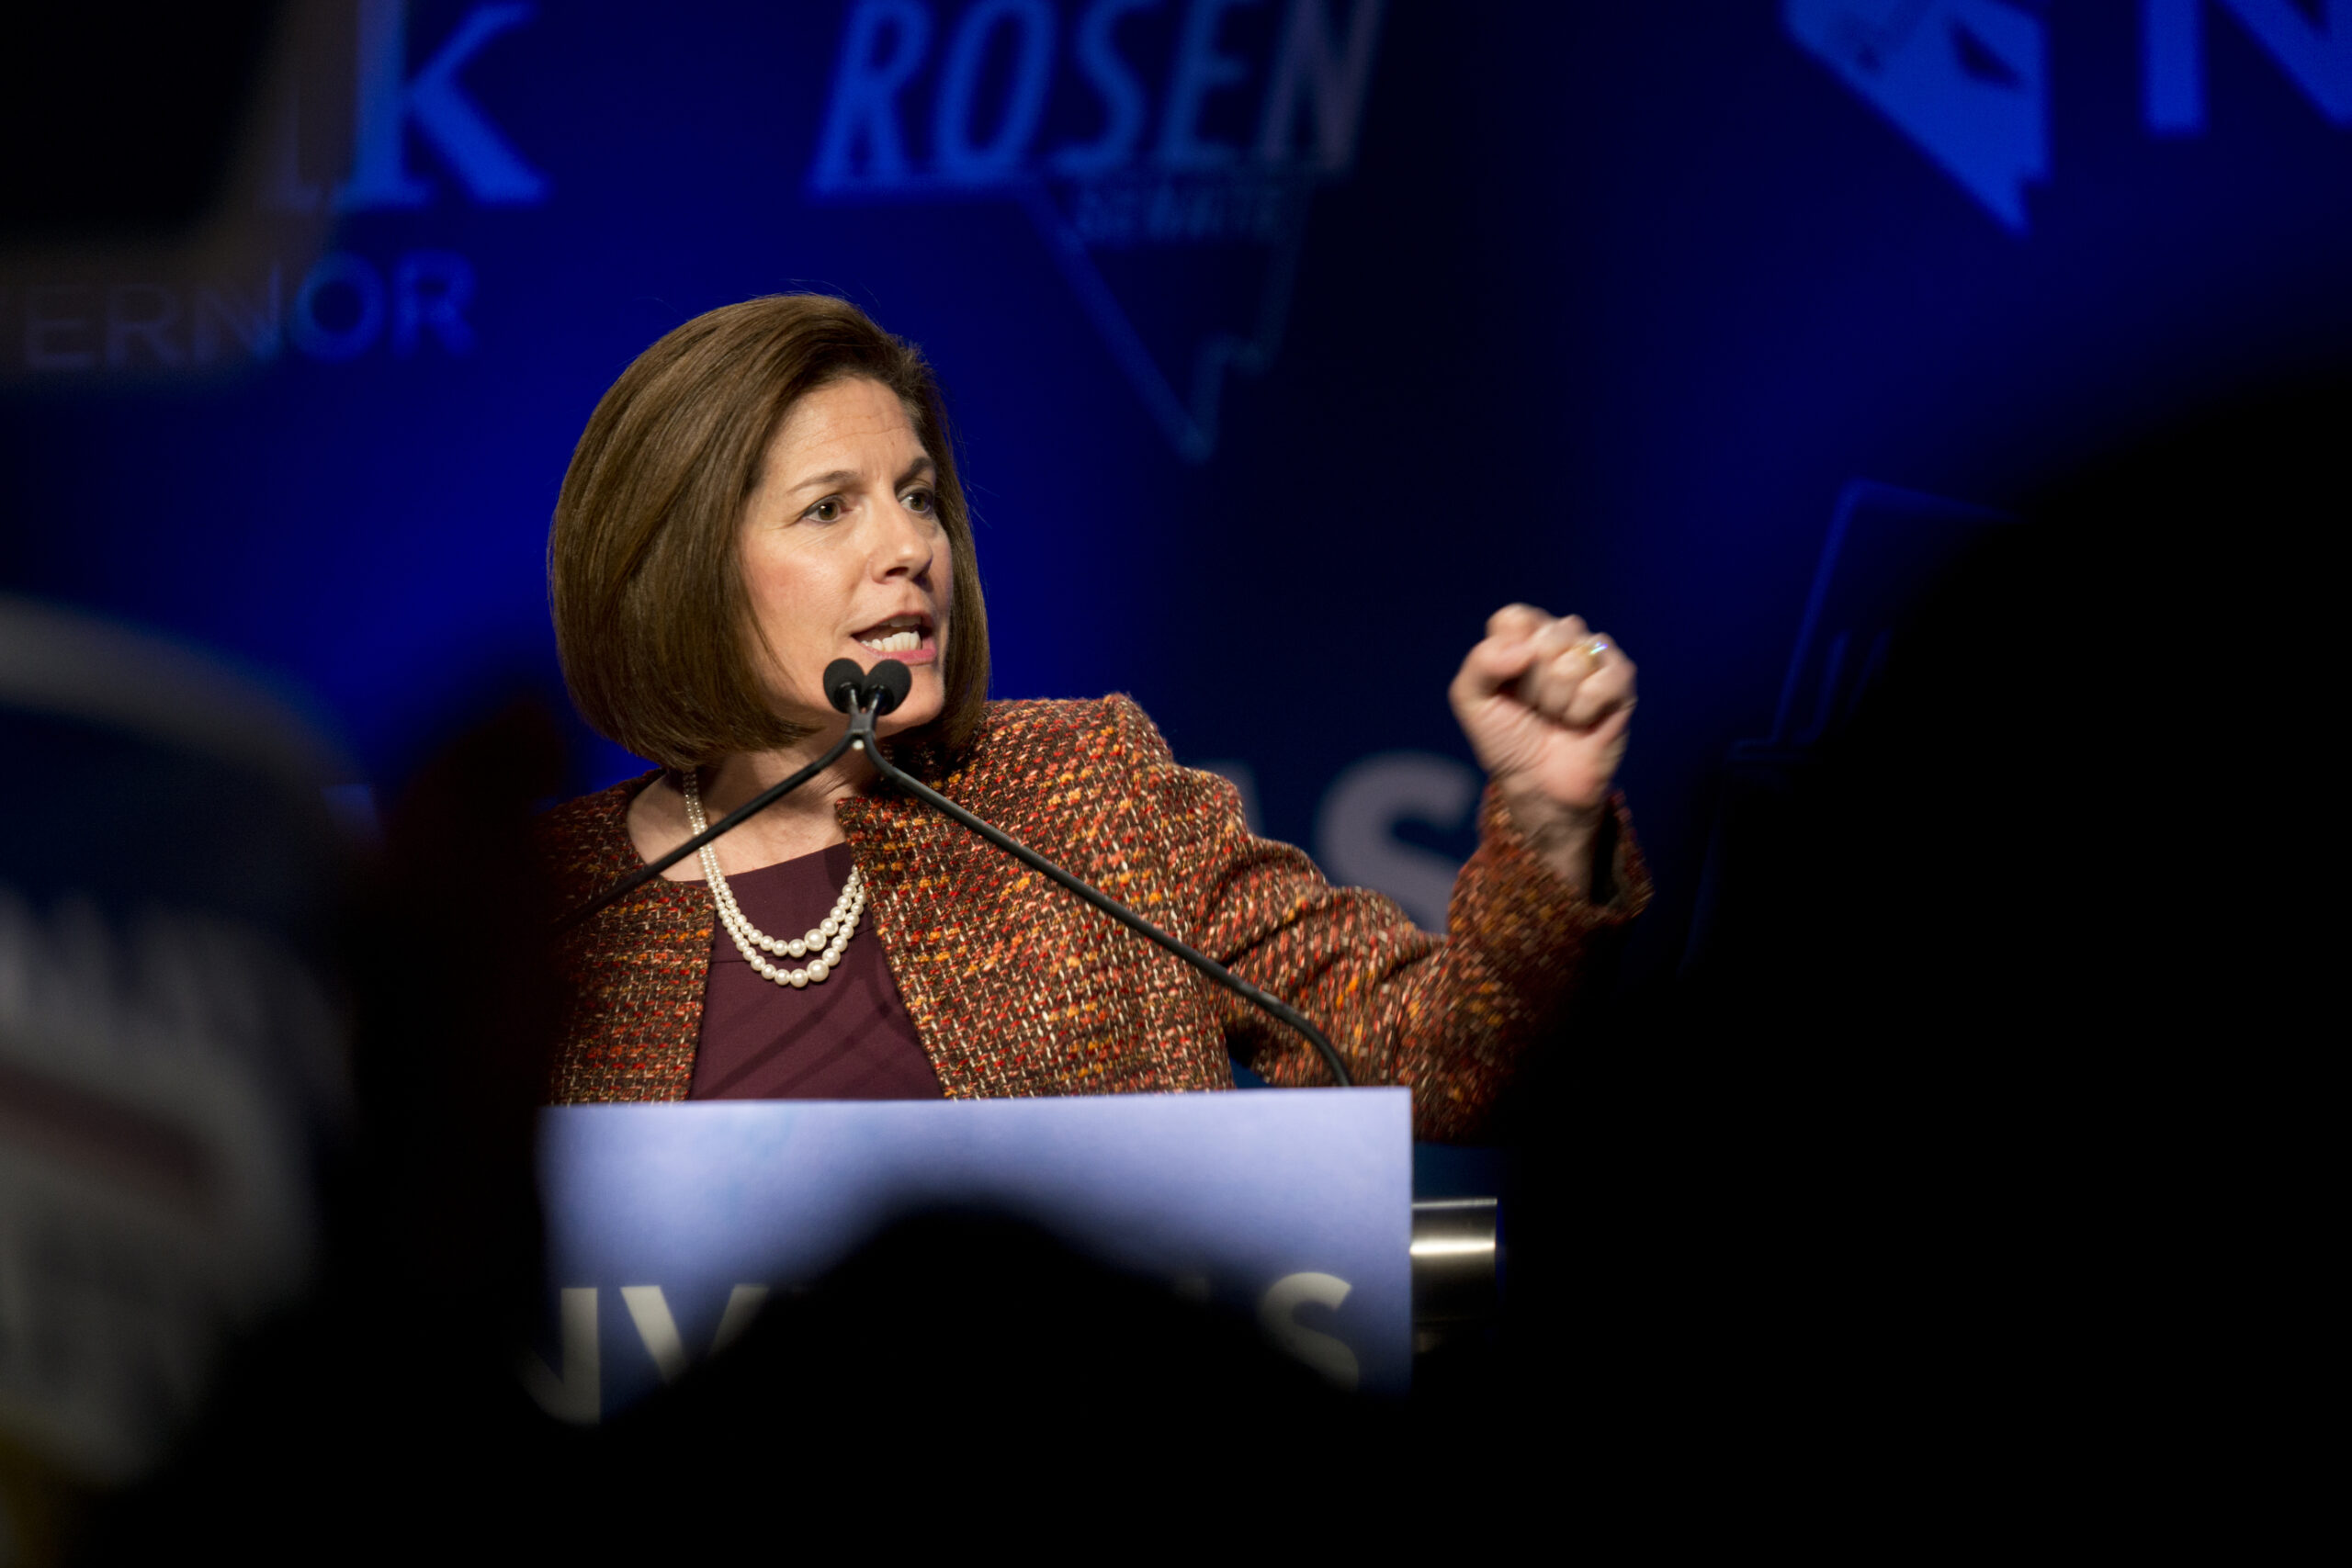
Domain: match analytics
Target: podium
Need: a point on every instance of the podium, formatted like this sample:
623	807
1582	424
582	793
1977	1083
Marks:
670	1225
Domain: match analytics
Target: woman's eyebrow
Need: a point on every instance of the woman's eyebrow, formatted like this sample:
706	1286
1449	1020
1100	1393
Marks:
839	477
828	481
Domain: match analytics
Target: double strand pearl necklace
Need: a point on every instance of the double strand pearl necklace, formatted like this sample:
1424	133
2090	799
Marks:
831	935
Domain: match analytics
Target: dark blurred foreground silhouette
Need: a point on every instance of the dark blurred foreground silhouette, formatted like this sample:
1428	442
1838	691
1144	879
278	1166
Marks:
1962	1171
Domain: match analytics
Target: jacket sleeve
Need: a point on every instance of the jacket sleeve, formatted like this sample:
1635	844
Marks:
1448	1017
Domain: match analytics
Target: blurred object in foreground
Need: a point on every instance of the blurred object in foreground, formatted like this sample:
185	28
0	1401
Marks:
172	1064
1887	548
138	113
155	223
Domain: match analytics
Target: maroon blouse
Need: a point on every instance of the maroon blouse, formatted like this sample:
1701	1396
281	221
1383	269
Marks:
847	1037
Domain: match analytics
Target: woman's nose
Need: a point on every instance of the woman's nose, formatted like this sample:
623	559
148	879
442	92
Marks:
906	544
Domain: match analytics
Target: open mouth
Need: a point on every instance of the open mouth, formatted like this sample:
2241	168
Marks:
899	634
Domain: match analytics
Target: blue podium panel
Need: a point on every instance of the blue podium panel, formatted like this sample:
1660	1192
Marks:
669	1225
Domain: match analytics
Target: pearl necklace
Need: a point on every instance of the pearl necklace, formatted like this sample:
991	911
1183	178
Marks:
831	935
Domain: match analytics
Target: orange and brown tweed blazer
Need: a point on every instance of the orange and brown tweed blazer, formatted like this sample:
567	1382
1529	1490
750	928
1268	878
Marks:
1017	988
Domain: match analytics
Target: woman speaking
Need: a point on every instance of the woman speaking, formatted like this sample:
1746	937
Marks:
770	488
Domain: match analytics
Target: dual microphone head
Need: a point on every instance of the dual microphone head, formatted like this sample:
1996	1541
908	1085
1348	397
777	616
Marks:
884	687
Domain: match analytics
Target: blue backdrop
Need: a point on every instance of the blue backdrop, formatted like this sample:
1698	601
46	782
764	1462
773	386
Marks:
1286	338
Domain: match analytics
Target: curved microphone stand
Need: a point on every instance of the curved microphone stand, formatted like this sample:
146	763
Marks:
879	691
742	814
866	698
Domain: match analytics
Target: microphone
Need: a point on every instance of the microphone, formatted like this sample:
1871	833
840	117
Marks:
883	688
885	684
844	683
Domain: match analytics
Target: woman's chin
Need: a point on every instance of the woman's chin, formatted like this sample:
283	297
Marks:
925	701
918	710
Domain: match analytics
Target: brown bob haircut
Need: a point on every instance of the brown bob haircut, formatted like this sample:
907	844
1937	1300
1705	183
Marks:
644	576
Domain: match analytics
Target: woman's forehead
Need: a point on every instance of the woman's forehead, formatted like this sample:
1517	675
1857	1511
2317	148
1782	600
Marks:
856	419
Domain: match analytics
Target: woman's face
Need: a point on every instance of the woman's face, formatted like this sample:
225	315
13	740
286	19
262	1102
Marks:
843	553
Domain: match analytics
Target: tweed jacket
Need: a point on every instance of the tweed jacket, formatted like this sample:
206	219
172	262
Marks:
1016	988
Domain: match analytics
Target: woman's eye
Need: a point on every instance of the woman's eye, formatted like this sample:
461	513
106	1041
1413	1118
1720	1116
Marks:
826	511
921	502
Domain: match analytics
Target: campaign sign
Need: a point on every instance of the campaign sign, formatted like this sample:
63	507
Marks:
669	1225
